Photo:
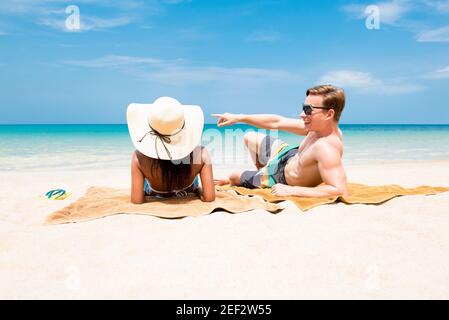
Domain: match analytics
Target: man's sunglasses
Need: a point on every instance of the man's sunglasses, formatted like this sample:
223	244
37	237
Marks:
308	108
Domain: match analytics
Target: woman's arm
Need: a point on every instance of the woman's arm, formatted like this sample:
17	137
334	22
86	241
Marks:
207	177
137	178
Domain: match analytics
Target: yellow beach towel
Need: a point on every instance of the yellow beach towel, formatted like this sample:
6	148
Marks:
101	202
358	193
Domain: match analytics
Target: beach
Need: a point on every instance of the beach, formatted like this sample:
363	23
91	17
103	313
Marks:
396	250
345	89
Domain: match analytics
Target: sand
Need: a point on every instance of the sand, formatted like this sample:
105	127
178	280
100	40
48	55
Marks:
398	250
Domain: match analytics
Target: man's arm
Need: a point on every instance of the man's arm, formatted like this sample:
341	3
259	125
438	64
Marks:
331	171
263	121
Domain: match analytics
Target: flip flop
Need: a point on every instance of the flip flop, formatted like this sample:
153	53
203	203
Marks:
57	194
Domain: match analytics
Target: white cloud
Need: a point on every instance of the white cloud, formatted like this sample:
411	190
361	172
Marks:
434	35
114	61
265	36
52	13
17	7
349	78
179	72
394	12
438	5
390	12
33	7
364	82
88	23
439	74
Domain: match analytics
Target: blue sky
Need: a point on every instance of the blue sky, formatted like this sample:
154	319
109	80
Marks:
233	56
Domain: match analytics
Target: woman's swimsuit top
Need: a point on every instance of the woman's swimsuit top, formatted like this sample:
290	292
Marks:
192	188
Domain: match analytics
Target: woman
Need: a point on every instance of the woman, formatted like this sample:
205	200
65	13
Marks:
168	160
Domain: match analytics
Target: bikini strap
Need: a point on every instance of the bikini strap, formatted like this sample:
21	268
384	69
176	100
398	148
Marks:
180	191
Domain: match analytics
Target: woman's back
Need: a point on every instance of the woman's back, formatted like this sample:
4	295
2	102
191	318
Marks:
166	177
168	159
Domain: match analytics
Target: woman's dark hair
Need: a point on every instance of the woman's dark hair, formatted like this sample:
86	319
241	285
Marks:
174	174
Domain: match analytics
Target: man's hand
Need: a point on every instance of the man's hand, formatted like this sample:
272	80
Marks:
282	190
226	119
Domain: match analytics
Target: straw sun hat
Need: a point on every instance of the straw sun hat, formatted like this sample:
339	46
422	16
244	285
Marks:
165	129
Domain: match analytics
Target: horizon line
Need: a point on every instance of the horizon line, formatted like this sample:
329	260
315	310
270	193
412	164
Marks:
207	123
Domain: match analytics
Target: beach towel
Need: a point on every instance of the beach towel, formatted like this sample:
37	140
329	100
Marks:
358	193
99	202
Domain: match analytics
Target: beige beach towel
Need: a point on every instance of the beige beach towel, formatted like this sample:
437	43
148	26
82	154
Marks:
358	193
100	202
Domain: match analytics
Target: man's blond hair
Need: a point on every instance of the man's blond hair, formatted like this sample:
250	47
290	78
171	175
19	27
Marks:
333	97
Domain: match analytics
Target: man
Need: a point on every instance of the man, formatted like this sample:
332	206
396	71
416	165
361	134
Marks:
314	169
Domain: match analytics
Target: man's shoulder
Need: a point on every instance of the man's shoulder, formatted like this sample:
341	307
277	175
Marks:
332	140
330	146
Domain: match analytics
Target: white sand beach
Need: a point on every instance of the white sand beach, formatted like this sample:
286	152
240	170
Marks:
395	250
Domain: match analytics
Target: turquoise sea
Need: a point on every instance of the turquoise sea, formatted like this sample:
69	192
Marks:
43	147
